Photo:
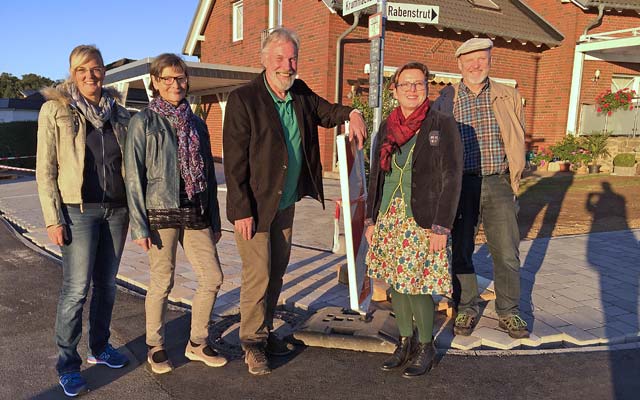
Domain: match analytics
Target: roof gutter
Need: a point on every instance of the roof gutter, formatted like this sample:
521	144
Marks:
596	22
338	88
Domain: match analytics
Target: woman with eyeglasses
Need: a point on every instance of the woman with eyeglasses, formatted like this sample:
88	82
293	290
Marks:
414	185
79	171
172	196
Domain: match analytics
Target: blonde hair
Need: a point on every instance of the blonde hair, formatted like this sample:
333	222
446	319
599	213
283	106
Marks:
83	53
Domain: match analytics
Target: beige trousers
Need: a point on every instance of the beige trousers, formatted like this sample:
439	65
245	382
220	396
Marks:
264	261
200	249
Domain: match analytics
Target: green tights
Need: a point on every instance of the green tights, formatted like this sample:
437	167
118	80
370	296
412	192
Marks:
407	307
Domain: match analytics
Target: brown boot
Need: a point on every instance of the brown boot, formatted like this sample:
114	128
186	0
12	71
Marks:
422	360
400	356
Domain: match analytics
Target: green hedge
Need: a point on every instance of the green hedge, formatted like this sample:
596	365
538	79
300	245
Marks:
19	139
624	160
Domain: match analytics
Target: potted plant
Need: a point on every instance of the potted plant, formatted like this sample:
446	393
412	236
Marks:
624	164
541	158
596	145
565	151
608	101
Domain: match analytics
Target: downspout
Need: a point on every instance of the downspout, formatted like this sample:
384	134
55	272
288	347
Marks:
338	88
596	22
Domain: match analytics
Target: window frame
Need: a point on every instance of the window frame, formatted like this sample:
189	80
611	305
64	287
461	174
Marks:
237	18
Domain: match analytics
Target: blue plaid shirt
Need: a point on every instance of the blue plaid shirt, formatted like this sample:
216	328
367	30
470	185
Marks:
483	147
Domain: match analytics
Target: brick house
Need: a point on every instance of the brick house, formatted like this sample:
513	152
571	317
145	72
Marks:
537	48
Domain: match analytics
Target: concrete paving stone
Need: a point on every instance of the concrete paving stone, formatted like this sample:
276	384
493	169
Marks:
608	335
577	336
627	318
580	320
496	339
466	342
565	301
546	333
549	306
532	342
625	329
549	319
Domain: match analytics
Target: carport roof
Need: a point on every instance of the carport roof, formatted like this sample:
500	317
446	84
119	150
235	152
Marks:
204	79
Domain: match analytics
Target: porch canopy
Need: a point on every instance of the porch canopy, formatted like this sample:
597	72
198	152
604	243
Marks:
132	80
614	46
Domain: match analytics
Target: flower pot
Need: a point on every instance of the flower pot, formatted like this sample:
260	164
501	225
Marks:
594	169
565	166
582	170
624	171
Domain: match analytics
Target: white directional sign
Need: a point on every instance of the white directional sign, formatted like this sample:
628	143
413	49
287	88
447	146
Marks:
413	13
351	6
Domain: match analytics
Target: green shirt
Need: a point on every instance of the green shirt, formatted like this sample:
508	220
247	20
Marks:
398	180
294	147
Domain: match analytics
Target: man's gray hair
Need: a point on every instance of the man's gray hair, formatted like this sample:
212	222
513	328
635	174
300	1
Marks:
281	35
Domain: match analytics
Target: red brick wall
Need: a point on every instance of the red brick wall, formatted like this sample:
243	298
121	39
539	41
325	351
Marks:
543	76
555	68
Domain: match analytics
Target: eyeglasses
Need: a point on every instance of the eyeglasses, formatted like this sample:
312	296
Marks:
168	80
97	71
407	86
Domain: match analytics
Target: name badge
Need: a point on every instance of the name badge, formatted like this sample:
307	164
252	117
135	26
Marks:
434	138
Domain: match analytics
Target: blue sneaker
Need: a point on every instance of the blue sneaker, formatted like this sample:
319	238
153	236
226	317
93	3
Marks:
110	357
73	384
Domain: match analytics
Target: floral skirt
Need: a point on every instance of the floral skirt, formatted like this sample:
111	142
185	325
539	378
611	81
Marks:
399	254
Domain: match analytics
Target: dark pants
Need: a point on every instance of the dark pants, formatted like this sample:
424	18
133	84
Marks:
265	258
489	200
96	240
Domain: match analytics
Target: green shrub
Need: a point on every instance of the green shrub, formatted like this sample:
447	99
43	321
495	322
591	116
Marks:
19	139
624	160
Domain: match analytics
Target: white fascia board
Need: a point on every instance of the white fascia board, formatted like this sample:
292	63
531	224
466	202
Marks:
197	26
609	44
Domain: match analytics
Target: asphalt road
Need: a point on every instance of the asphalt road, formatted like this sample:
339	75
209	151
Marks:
29	284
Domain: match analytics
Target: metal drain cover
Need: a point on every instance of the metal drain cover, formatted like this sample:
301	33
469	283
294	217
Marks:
224	333
333	327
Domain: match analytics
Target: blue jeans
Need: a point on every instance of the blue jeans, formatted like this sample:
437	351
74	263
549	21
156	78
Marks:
489	200
96	238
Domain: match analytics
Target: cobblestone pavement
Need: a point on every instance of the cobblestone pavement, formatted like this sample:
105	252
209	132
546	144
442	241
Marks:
576	290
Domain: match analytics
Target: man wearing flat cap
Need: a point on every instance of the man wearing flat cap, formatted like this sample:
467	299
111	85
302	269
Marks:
490	118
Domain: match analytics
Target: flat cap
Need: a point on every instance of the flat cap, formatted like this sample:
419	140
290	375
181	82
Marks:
474	44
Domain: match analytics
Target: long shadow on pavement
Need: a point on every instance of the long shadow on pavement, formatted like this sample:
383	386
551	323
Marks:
616	262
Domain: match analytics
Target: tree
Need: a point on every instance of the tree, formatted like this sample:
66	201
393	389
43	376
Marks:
10	86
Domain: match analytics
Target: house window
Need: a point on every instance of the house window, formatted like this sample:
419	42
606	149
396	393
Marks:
275	13
625	81
237	21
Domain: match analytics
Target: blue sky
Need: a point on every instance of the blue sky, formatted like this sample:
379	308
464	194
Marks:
38	35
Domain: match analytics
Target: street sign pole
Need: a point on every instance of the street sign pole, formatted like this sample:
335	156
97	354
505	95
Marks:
376	75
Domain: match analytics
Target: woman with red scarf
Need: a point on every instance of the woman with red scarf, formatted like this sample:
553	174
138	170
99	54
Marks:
414	187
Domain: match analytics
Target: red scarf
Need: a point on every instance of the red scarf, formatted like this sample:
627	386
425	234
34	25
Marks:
399	131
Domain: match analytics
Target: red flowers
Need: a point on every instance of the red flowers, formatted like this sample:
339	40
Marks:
609	102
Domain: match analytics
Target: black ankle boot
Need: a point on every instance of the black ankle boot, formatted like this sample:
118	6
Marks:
422	360
400	355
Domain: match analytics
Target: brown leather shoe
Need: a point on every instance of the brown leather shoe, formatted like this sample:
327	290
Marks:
514	325
464	324
256	359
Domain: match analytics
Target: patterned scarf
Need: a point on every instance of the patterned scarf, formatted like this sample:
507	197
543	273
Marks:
191	163
399	131
96	115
